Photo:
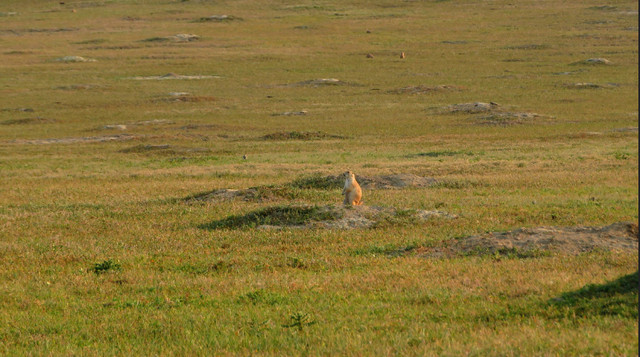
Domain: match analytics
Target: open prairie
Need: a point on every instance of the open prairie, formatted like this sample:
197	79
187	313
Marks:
170	177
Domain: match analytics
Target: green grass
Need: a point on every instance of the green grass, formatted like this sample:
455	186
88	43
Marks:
103	253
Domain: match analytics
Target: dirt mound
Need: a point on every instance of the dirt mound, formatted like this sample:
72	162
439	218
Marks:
424	89
172	76
320	82
507	118
219	18
325	217
490	113
471	108
87	139
300	135
36	120
293	189
530	242
73	59
181	37
587	85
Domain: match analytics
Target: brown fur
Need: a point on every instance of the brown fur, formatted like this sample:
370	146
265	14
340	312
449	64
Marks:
352	191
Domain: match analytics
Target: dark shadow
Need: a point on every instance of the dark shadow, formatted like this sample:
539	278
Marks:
275	216
615	298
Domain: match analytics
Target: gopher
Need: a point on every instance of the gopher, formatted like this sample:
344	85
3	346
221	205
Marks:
352	191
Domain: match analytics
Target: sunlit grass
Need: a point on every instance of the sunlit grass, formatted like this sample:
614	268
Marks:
102	252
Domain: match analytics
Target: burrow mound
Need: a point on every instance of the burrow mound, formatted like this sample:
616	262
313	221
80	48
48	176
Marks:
320	82
421	89
300	135
540	241
325	217
292	189
491	114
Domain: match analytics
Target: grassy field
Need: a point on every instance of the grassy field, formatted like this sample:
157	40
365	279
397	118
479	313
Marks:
100	253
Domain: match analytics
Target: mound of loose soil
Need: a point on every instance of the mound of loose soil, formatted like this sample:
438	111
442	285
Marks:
494	114
71	59
424	89
507	118
325	217
219	18
300	135
172	76
181	37
319	83
87	139
187	98
526	242
291	190
471	108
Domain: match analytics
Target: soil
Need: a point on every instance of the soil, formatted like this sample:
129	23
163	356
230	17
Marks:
267	193
88	139
326	217
622	236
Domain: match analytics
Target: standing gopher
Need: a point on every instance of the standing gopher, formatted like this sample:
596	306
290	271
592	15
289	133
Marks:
352	191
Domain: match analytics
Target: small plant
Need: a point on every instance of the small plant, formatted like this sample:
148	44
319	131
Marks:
621	155
299	320
105	266
296	263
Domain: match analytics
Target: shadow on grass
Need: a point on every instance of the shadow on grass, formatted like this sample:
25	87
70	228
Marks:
275	216
615	298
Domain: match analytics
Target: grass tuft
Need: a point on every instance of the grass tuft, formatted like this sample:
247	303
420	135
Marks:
106	266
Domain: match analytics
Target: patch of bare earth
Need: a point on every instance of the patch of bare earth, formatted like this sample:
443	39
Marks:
622	236
372	216
86	139
170	76
492	113
425	89
320	82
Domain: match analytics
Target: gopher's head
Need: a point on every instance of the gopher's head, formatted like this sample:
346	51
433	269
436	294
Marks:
349	174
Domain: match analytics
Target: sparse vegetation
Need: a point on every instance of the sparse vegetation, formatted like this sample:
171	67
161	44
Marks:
107	124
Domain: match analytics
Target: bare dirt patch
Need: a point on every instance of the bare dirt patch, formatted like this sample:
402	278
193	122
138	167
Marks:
491	113
185	98
181	37
74	59
531	242
325	217
425	89
170	76
587	85
300	135
321	82
219	18
288	114
86	139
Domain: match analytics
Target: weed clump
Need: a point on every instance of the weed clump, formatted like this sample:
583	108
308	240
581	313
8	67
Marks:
299	320
106	266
